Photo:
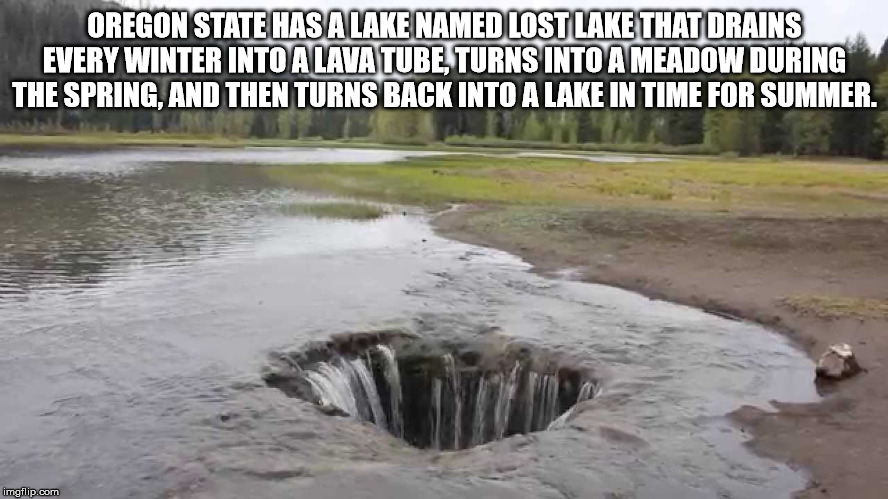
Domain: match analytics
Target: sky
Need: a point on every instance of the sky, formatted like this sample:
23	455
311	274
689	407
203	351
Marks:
826	21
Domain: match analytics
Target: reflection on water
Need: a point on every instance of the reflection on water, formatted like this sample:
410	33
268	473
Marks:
140	294
124	161
77	230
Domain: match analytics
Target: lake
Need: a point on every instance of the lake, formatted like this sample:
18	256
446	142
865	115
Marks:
142	292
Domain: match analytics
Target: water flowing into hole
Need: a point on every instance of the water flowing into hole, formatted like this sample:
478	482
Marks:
434	394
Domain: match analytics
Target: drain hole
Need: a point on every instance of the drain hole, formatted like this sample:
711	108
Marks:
433	394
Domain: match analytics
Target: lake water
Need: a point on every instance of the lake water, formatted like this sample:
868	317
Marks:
142	290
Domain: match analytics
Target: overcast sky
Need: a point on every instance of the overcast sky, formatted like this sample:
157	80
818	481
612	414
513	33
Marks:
825	20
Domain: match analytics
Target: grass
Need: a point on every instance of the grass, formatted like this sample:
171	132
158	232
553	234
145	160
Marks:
707	184
339	209
628	148
826	307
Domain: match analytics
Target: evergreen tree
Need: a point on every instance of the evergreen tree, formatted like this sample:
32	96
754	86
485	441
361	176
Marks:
882	94
853	129
808	131
882	61
533	129
26	26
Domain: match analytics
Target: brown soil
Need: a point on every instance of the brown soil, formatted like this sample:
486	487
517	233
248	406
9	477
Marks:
745	266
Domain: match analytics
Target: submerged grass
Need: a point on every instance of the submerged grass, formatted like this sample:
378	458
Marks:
339	209
701	184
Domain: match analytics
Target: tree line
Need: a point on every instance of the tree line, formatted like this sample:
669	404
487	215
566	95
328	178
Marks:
27	25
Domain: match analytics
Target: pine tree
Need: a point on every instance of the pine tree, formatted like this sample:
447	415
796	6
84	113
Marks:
853	129
808	131
882	61
882	94
533	129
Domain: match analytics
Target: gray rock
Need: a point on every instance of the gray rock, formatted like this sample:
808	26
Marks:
332	410
838	362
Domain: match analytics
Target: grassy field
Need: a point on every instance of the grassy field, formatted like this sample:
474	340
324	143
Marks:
708	184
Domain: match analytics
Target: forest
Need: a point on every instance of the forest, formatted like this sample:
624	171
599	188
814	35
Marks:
27	25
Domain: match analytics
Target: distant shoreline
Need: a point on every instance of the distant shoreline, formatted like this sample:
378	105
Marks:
112	139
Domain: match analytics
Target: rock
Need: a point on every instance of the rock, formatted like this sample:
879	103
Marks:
332	410
838	362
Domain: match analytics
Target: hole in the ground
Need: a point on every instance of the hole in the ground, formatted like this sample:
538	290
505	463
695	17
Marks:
434	394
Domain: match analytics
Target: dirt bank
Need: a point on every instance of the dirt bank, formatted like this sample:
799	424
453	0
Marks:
820	280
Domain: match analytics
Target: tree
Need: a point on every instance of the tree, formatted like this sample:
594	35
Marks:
734	130
853	129
285	123
303	123
882	93
882	61
492	123
679	126
26	26
773	133
808	131
584	126
403	126
533	129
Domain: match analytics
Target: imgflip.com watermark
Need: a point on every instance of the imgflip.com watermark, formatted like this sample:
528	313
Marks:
30	492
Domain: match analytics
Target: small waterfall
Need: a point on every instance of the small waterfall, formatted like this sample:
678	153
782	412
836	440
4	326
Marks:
369	387
586	393
436	418
393	379
541	391
541	400
552	402
333	387
503	410
480	420
450	368
348	385
362	406
530	409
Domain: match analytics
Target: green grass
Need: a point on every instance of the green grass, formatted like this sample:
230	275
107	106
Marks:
342	210
706	184
826	307
628	148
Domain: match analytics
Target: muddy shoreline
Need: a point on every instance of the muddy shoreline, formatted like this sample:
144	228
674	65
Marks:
813	279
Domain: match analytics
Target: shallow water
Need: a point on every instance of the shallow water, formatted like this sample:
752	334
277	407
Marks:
141	292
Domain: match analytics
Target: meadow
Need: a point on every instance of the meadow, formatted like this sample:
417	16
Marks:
705	183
